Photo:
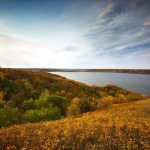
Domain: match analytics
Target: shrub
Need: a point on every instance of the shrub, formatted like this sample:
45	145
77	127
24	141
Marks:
83	104
120	99
2	104
133	97
105	102
39	103
2	94
11	103
43	114
27	104
73	110
8	116
35	94
56	100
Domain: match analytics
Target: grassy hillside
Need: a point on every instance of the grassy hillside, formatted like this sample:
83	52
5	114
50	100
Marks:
120	126
21	84
27	96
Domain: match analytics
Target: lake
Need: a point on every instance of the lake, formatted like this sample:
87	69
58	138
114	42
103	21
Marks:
134	82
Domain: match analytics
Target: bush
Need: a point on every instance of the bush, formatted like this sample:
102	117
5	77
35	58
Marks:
2	94
73	110
43	114
133	97
105	102
2	104
11	103
120	99
8	116
83	104
39	103
27	104
35	94
56	100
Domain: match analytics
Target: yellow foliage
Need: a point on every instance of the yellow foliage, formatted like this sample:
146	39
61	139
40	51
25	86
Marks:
105	102
2	75
76	101
121	126
2	94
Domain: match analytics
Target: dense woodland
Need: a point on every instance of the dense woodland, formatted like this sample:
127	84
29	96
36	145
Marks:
27	96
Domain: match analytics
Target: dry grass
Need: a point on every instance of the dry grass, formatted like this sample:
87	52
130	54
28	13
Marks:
124	126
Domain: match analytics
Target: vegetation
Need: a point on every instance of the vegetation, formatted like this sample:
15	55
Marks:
120	121
121	126
27	96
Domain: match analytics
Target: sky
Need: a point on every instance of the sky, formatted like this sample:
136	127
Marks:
75	34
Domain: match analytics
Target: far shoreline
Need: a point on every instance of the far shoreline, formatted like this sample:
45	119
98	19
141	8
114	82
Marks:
129	71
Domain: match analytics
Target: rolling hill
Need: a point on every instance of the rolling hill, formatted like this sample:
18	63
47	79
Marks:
121	126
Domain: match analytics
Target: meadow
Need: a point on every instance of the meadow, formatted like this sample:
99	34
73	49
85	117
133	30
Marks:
120	126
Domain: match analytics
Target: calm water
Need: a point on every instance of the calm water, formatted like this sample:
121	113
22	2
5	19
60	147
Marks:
134	82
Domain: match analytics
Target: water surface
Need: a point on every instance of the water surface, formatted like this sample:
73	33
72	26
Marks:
134	82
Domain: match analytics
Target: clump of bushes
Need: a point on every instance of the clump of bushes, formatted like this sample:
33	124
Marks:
78	106
8	116
46	107
43	114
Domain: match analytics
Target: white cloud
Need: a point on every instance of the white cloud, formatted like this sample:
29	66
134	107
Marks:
17	52
83	36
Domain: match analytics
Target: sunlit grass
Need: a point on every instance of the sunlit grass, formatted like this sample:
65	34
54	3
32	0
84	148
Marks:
120	126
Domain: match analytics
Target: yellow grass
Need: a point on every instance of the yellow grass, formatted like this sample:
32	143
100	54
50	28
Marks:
122	126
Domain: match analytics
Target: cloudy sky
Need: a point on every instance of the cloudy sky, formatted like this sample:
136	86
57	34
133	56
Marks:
75	33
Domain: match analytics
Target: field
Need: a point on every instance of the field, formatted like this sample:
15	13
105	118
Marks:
120	126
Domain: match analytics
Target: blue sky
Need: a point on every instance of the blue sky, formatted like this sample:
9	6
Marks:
75	33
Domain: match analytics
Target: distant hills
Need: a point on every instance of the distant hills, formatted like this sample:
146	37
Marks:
131	71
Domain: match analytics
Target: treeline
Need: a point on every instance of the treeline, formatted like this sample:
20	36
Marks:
27	96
